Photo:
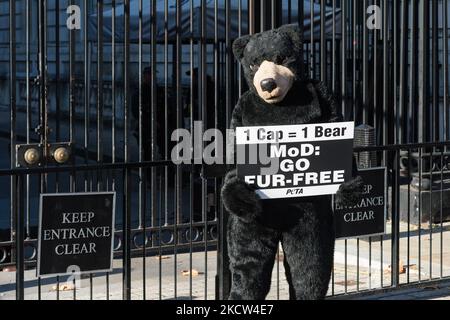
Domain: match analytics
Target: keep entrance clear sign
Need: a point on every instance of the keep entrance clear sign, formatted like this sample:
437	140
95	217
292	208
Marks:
368	216
305	160
76	232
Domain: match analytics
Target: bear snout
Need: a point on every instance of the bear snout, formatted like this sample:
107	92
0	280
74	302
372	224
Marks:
273	81
268	85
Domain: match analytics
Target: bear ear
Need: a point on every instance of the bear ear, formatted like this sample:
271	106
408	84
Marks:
239	46
293	31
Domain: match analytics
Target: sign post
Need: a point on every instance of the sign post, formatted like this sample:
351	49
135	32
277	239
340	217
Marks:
76	230
295	160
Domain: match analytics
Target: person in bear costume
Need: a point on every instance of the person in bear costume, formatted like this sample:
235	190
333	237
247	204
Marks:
280	95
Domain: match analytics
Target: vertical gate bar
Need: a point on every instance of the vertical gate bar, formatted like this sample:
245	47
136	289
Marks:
13	116
153	119
312	46
28	105
370	263
365	65
87	90
72	102
395	61
99	100
140	110
263	15
395	220
354	60
57	101
126	236
334	50
100	97
430	208
273	9
217	181
239	69
166	107
435	113
127	186
142	176
441	198
413	95
420	217
445	39
153	115
204	117
357	264
113	108
179	114
345	265
344	58
408	252
58	77
289	17
385	75
335	80
323	43
301	24
42	73
42	29
381	261
251	16
113	88
191	115
19	237
166	126
423	71
435	135
375	58
223	261
401	120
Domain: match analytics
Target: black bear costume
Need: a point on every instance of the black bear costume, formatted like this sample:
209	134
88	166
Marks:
279	95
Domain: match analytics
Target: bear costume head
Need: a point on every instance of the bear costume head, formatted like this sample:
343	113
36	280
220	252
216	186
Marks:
271	61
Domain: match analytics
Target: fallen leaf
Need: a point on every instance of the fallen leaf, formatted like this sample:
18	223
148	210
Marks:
401	268
162	257
64	287
194	273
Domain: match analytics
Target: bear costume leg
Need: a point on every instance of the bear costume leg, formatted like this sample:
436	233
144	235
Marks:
252	249
308	249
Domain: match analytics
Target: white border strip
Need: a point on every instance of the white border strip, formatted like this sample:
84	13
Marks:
292	133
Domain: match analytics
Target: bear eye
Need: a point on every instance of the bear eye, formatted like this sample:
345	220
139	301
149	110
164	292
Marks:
254	67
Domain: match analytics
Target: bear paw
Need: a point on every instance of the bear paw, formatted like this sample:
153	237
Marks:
240	198
349	192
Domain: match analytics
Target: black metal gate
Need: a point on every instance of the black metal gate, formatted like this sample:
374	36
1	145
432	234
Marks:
90	92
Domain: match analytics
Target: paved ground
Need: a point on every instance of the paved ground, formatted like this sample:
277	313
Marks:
358	267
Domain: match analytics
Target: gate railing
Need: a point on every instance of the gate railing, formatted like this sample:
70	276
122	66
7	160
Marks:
184	255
